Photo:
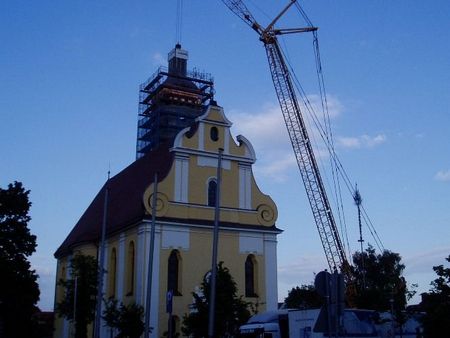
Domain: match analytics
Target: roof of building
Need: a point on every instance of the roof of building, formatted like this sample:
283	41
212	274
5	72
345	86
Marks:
125	206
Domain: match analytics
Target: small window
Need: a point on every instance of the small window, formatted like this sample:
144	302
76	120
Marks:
173	273
250	274
212	193
214	134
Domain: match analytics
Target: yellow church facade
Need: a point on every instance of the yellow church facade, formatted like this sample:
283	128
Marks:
186	170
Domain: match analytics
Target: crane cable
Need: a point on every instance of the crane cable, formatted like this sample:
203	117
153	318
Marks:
327	122
327	136
329	132
179	21
317	52
309	107
336	182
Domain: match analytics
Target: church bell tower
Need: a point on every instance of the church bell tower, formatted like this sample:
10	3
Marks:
170	100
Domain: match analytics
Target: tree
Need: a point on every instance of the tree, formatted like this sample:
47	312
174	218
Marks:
130	321
111	314
303	297
380	285
382	282
81	289
230	313
127	319
436	304
19	291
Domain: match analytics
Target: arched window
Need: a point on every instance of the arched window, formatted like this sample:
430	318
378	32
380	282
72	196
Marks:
173	273
130	269
250	276
212	193
112	273
214	134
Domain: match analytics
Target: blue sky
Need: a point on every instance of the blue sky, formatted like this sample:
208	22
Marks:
70	73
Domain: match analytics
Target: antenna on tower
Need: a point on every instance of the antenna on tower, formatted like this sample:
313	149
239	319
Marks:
358	201
179	21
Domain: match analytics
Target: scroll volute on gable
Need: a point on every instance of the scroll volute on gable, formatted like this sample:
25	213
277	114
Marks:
162	202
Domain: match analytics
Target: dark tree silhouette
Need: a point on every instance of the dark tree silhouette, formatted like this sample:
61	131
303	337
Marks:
19	291
382	287
82	285
383	278
126	319
130	321
231	311
436	304
303	297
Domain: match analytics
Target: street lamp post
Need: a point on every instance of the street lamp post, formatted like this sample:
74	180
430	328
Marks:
212	302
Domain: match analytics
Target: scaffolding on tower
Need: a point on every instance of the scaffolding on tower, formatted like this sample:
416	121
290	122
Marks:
170	100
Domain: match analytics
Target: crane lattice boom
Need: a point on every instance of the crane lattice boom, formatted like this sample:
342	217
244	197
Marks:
290	108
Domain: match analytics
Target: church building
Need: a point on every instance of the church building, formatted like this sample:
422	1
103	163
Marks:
180	131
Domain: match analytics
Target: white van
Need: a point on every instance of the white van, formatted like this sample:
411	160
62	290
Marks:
290	323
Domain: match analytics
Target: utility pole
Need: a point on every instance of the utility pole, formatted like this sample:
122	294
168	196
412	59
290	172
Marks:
148	302
101	270
212	301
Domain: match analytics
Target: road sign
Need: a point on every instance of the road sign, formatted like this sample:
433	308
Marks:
169	301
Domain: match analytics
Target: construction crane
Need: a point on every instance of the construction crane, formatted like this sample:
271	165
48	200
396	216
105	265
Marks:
301	143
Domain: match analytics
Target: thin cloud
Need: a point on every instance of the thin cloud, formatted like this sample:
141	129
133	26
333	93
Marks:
409	134
373	141
349	142
335	106
158	59
361	142
279	168
443	176
265	127
267	132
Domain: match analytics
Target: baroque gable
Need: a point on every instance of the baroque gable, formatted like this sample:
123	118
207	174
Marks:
184	193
